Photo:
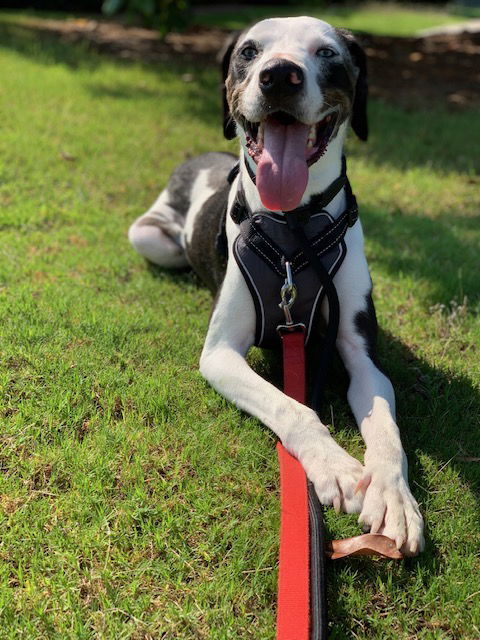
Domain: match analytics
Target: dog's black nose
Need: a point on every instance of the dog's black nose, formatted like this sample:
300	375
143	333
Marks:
281	78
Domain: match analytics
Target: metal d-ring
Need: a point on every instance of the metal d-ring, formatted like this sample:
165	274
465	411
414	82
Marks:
288	293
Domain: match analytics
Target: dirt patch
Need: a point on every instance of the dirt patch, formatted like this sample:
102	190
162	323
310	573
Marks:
437	69
414	72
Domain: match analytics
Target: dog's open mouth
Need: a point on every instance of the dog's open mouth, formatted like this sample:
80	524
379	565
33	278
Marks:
317	140
283	148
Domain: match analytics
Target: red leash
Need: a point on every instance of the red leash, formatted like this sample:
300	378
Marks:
293	603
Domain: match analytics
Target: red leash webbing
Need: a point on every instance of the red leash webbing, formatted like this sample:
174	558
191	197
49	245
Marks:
293	602
294	365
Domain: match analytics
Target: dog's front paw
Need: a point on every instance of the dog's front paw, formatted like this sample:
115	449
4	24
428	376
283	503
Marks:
389	507
334	473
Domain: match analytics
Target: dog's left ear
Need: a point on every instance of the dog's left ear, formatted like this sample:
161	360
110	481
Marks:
359	110
224	57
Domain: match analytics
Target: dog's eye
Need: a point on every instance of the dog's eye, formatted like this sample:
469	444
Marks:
325	52
249	52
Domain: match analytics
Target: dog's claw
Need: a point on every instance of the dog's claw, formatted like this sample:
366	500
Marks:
362	484
337	505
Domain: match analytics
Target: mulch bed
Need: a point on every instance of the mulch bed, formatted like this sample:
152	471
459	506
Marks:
414	72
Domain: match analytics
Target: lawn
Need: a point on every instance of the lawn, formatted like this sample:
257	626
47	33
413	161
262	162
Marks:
135	503
381	18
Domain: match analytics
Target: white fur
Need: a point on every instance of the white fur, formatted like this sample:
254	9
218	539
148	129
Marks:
155	244
297	40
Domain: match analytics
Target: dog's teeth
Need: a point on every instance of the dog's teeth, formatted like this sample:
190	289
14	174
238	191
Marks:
312	136
260	134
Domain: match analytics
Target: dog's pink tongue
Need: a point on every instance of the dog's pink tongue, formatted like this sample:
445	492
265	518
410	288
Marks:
282	171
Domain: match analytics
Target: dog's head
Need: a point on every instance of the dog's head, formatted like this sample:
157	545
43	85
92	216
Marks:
291	87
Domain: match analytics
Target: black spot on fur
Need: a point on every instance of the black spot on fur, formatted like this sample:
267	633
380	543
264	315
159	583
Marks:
359	59
367	326
235	70
337	77
181	181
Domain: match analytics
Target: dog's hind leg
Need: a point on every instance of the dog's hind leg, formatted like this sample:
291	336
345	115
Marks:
157	234
165	233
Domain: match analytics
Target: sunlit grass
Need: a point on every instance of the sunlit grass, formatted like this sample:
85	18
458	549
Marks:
381	18
134	501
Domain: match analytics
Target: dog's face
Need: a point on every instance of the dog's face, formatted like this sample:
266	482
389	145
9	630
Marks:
291	84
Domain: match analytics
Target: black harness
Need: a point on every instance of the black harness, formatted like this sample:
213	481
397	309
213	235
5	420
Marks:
312	242
268	240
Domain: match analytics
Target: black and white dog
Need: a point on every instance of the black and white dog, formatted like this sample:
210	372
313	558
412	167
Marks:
292	88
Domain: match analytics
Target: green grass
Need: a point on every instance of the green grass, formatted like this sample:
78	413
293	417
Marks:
134	501
381	18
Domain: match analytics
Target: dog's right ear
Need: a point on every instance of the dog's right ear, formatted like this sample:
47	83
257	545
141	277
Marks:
359	118
229	129
359	59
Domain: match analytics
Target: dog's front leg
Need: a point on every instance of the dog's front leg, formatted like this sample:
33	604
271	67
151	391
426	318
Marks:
333	471
389	506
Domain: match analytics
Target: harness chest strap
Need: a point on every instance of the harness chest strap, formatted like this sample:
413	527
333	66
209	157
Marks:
326	238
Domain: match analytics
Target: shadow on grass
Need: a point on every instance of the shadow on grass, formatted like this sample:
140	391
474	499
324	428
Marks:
437	411
431	137
441	251
201	97
438	419
179	276
45	48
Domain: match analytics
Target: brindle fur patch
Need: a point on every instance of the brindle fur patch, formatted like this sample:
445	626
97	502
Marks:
236	83
337	98
338	87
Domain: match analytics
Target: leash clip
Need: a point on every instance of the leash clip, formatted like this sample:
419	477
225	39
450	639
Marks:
288	293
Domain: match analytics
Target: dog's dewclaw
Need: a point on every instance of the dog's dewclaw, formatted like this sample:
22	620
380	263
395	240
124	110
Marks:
368	544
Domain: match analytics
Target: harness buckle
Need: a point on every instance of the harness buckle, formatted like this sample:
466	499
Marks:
291	328
238	212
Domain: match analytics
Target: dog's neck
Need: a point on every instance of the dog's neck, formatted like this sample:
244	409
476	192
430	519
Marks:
321	176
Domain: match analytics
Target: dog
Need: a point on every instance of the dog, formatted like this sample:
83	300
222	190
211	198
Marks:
292	88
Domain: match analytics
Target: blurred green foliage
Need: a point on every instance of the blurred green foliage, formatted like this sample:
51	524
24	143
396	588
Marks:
161	14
